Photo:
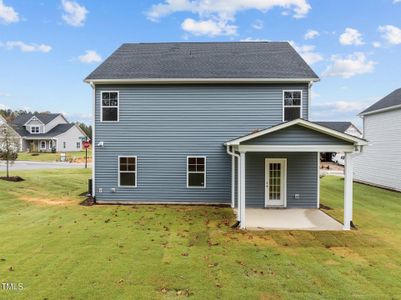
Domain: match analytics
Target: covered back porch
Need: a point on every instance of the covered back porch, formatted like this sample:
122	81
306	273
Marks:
278	168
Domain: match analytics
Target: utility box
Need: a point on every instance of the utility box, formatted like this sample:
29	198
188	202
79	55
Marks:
62	156
90	191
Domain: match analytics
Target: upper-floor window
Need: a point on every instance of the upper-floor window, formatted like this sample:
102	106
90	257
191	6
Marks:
34	129
196	171
109	108
292	105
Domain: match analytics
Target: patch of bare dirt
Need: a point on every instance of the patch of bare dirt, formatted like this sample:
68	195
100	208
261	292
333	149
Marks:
43	201
331	166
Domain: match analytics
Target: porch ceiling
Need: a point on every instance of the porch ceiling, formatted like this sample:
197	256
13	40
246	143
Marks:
290	219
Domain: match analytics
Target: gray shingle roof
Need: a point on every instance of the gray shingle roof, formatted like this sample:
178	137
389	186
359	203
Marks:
43	117
393	99
337	126
59	129
263	60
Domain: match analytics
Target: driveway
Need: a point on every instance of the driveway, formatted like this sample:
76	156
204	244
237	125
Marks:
33	165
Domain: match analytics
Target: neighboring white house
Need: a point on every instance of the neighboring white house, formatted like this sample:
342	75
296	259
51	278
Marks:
380	163
343	127
46	132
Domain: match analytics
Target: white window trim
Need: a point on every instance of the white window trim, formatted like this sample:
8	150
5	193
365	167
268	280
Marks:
284	106
78	145
136	171
118	106
35	126
41	148
204	172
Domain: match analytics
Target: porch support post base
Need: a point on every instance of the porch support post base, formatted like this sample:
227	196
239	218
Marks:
348	191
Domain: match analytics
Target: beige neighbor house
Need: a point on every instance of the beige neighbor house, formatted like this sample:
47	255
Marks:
46	132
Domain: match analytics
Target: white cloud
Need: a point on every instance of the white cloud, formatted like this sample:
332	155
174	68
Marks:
74	14
89	57
8	14
24	47
396	1
3	94
249	39
208	27
2	106
351	36
311	34
258	24
376	44
391	34
349	66
221	13
307	52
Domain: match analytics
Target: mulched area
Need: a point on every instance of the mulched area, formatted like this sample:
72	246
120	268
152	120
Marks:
12	178
88	202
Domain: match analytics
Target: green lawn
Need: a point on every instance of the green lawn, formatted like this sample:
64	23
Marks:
60	250
45	157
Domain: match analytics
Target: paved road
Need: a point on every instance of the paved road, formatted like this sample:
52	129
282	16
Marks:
30	165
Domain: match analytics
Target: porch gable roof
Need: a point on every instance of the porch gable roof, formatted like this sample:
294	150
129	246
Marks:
303	123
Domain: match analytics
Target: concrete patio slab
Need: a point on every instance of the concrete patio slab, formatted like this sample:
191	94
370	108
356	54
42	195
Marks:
290	219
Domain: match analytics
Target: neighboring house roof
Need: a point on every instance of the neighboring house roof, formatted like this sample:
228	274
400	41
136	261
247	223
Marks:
228	60
301	122
393	100
337	126
43	117
59	129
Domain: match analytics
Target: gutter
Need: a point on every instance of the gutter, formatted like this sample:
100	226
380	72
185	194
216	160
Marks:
362	114
199	80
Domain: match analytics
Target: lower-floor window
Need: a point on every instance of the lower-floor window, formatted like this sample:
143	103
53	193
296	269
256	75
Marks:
78	145
196	171
127	171
64	145
42	145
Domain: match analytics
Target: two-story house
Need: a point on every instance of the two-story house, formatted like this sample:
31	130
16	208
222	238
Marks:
210	123
46	132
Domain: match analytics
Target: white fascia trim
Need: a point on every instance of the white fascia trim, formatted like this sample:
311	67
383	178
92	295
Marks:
303	123
380	110
296	148
199	80
31	120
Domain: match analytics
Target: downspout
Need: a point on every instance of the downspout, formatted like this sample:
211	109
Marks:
309	98
93	139
235	155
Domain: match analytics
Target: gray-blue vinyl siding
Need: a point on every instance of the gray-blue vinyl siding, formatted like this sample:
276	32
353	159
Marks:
163	124
296	135
301	178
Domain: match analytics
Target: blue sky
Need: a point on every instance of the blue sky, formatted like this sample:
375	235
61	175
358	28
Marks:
48	47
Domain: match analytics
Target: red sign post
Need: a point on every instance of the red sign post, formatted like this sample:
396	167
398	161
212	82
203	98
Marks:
86	145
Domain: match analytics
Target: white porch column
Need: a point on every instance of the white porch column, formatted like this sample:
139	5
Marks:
242	197
238	189
232	181
348	193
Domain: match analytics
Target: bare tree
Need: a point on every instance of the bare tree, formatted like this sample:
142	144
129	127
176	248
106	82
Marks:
9	145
